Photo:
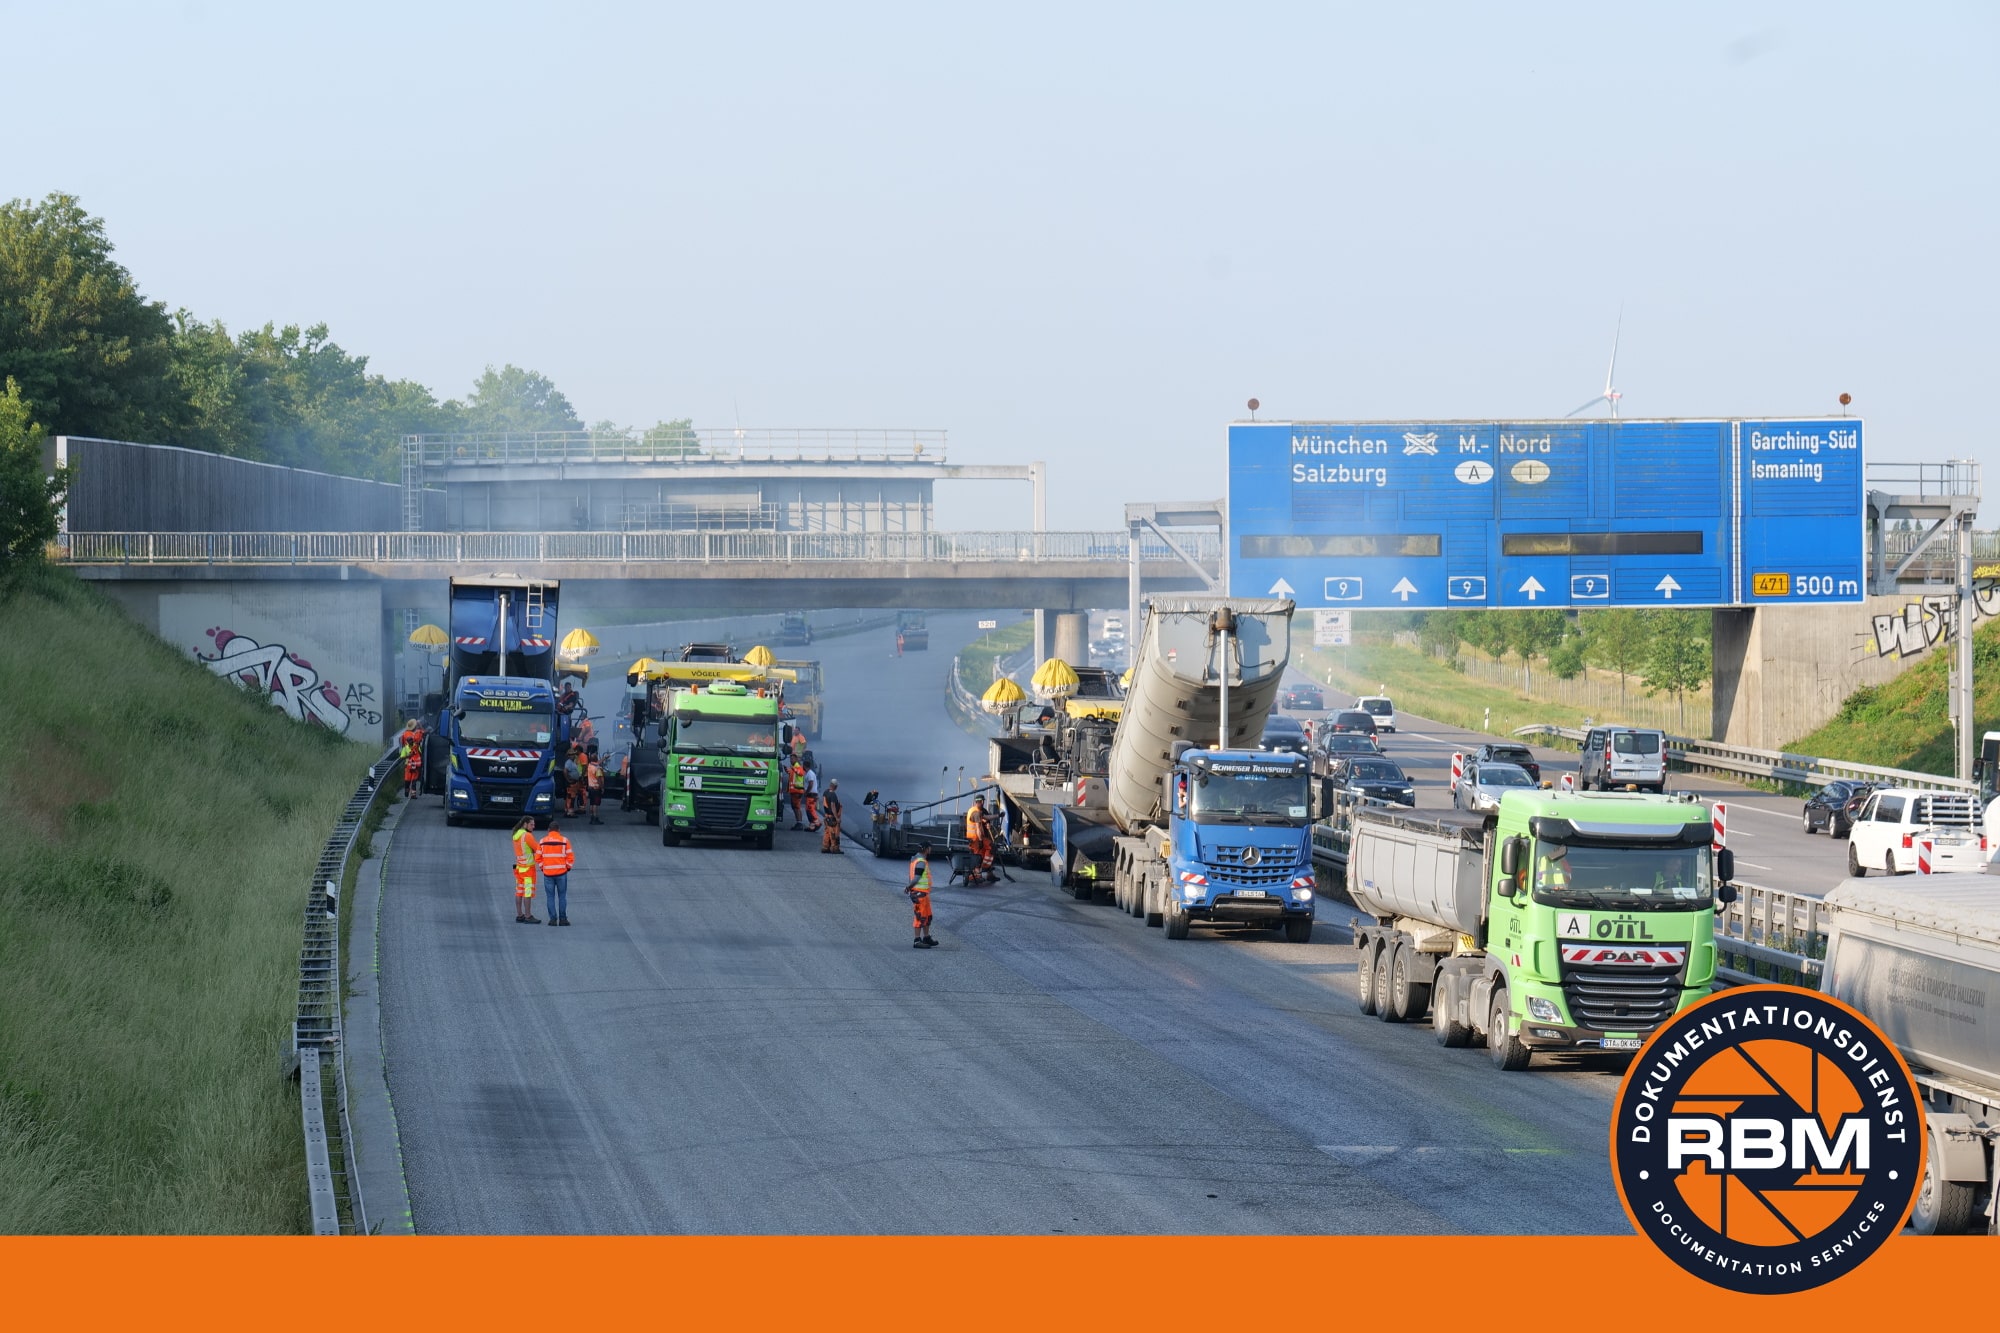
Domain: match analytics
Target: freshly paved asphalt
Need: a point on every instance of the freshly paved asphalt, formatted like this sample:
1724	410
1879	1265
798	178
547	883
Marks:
736	1041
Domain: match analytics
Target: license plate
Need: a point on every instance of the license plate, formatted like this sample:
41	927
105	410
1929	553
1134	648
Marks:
500	800
692	782
1621	1043
1250	893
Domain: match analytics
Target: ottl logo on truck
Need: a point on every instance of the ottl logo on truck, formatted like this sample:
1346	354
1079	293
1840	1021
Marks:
1768	1139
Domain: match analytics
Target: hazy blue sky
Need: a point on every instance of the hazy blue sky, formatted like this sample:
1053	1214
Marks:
1076	233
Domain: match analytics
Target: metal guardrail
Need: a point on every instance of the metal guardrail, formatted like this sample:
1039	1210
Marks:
707	547
1773	765
726	445
335	1194
1774	935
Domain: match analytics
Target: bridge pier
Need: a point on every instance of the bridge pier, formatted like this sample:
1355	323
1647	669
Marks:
1072	637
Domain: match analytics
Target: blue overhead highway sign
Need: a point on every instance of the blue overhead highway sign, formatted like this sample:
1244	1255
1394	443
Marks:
1546	513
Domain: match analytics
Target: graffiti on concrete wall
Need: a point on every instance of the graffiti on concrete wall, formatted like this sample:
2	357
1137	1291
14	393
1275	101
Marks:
292	682
1927	622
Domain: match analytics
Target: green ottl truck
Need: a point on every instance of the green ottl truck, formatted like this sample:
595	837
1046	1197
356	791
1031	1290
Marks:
1563	922
721	769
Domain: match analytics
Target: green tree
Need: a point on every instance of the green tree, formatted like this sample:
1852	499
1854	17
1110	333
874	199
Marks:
1678	656
673	439
1531	632
1566	658
1617	639
29	495
90	354
207	373
513	401
1440	632
1486	631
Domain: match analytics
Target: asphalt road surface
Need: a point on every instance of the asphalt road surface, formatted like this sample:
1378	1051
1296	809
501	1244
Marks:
739	1041
1764	829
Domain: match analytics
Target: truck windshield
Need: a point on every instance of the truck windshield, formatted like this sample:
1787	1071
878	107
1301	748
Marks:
726	735
1659	879
498	726
1250	798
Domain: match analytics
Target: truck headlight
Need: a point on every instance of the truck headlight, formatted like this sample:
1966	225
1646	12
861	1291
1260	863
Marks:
1302	895
1191	890
541	798
1543	1011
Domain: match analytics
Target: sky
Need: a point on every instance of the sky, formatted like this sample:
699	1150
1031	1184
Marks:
1075	233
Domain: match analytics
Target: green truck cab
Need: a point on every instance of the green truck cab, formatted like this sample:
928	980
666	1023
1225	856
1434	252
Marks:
721	770
1561	922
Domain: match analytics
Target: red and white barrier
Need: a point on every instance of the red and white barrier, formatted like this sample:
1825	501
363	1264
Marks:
1923	856
1720	815
1569	782
1457	768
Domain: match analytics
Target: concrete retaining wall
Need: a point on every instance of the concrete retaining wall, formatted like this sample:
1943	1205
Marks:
1781	672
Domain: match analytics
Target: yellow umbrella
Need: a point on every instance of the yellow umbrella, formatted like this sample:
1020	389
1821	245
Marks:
429	636
1002	695
1055	678
579	643
1125	681
639	669
760	656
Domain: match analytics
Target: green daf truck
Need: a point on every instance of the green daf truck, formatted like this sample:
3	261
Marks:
1562	922
721	768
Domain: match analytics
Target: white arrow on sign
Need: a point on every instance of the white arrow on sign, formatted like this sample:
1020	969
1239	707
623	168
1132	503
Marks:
1281	589
1533	588
1403	589
1667	586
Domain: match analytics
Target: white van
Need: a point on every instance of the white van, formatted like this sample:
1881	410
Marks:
1895	819
1378	707
1618	756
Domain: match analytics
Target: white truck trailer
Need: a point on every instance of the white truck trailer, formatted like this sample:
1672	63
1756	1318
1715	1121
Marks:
1923	962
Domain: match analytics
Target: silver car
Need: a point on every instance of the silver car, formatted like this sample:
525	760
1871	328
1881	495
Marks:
1482	786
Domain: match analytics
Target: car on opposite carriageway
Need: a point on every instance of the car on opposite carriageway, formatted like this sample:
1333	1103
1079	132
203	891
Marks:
1834	806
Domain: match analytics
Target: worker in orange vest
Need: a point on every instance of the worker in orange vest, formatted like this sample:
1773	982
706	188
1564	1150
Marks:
979	841
918	891
795	787
558	859
527	856
413	758
593	781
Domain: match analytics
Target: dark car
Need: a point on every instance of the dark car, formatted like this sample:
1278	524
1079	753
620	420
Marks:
1307	697
1834	806
1374	777
1284	733
1330	747
1353	719
1510	754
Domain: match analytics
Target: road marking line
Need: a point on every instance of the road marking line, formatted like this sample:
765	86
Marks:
1752	865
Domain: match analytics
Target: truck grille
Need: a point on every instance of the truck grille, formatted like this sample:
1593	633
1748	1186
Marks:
1624	999
721	811
501	796
1225	866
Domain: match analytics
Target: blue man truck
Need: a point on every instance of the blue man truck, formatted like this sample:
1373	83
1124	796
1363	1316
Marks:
491	751
1193	823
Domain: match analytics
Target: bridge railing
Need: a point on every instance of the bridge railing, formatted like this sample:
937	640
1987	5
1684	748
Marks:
346	548
1773	765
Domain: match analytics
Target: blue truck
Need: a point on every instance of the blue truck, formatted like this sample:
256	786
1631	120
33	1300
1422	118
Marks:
491	751
1190	832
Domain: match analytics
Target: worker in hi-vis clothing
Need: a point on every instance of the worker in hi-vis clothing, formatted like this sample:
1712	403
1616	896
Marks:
558	858
918	890
527	856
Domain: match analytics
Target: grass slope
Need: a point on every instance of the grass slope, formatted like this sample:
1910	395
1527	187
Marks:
162	823
1902	724
1424	685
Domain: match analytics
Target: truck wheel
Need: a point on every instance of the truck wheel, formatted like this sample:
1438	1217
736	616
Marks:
1507	1050
1855	869
1943	1207
451	819
1385	1011
653	815
1178	923
1079	887
1411	999
766	840
668	838
1154	909
1298	930
1450	1033
1364	976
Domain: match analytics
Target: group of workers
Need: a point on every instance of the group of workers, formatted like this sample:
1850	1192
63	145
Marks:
553	856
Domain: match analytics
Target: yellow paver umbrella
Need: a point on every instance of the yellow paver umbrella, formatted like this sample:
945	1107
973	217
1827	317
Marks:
1125	681
1055	678
579	643
1002	695
638	670
760	656
429	636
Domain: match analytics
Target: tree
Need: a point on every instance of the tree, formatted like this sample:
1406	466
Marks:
513	401
1530	632
1616	639
89	353
1678	656
673	439
1486	631
29	495
1566	658
1440	632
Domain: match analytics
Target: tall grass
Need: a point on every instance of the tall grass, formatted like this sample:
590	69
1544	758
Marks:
975	660
162	824
1426	686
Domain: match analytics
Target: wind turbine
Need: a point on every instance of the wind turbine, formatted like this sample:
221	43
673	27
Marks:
1610	394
